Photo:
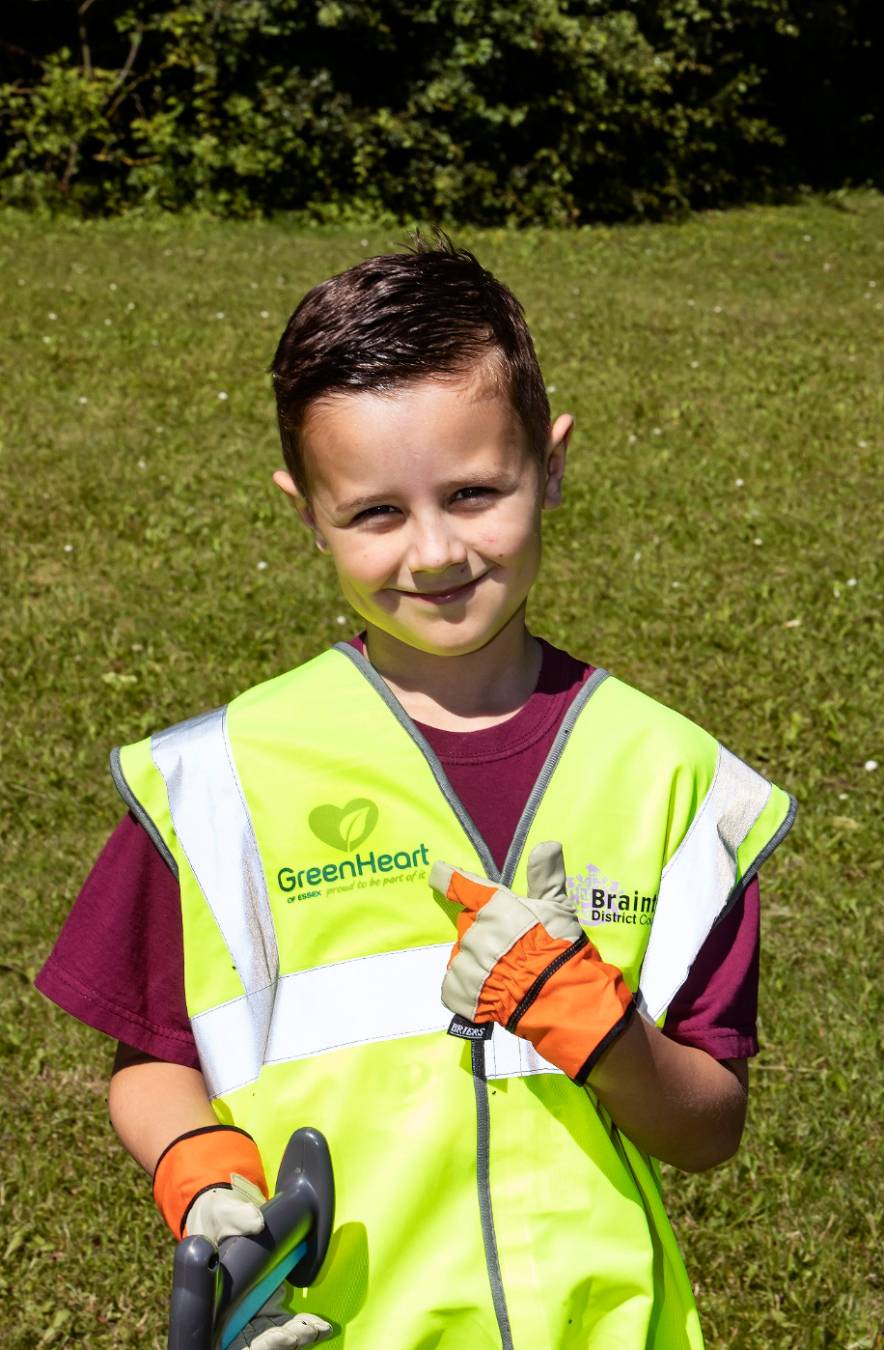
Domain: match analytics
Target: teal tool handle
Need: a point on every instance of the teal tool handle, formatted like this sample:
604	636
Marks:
215	1294
256	1298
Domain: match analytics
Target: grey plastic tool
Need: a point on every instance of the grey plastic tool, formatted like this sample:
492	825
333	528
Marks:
194	1295
210	1286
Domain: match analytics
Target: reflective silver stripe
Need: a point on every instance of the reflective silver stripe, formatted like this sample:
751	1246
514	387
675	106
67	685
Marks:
699	879
385	997
216	834
372	998
231	1040
509	1056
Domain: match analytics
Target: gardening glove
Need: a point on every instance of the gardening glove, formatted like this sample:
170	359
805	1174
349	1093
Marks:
275	1328
211	1181
527	964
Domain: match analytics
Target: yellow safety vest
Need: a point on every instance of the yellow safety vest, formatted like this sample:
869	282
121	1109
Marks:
483	1199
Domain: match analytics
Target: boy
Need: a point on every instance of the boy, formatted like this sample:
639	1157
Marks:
494	1178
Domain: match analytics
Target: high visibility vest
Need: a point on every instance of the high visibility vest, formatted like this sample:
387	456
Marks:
483	1199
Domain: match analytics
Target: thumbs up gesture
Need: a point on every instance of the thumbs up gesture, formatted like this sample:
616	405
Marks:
526	963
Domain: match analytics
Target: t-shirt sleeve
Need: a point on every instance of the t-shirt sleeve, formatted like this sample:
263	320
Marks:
716	1008
118	963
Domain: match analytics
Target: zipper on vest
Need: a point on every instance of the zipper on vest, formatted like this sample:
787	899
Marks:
483	1185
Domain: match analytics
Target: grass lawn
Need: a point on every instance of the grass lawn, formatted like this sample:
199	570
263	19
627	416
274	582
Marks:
719	548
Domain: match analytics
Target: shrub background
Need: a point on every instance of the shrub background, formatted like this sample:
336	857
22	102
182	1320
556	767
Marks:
537	111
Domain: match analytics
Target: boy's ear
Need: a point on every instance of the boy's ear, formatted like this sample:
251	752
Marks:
284	481
556	453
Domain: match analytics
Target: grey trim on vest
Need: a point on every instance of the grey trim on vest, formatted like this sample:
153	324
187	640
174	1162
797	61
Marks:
754	867
480	1086
535	797
216	835
483	1188
145	820
367	669
480	1049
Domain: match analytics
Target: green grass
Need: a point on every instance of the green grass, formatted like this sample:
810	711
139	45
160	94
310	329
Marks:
718	548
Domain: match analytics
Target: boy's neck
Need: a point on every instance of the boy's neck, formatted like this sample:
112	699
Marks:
460	693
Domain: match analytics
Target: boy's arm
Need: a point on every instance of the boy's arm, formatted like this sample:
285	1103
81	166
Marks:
676	1102
208	1178
151	1102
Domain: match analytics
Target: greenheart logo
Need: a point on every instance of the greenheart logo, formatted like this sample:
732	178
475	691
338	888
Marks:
344	827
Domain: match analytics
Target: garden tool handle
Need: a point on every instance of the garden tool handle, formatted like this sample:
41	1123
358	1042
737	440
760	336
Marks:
216	1293
194	1295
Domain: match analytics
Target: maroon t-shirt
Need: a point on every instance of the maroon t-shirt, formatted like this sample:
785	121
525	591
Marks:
118	964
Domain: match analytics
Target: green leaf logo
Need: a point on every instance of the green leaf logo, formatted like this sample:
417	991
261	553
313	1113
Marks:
344	827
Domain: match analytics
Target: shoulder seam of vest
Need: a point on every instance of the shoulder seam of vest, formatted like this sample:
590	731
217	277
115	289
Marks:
757	862
674	713
773	843
143	817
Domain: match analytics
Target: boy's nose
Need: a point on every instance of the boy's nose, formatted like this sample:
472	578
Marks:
435	547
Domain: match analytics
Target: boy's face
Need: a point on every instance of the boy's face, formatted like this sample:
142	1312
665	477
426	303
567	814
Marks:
428	500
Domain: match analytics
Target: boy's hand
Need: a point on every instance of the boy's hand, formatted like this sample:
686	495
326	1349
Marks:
275	1328
527	964
216	1171
226	1211
231	1210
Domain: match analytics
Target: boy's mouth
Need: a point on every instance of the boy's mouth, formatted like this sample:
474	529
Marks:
451	593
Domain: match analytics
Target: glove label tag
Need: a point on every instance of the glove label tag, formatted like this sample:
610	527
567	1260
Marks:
470	1031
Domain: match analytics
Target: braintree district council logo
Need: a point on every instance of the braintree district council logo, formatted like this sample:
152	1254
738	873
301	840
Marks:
345	828
599	899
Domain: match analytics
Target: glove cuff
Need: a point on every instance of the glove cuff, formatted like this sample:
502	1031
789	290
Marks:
197	1161
574	1010
610	1035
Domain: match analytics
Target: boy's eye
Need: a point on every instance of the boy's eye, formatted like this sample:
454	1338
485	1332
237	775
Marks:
373	512
472	492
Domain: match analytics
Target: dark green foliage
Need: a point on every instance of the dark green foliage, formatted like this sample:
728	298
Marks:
526	111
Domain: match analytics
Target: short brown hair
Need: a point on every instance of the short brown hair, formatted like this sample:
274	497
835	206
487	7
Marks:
398	318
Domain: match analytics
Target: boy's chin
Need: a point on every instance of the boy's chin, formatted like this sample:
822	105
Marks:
443	643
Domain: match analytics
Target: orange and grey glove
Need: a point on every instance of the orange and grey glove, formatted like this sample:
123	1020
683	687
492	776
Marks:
211	1181
527	964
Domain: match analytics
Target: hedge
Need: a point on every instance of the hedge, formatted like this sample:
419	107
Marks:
539	111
